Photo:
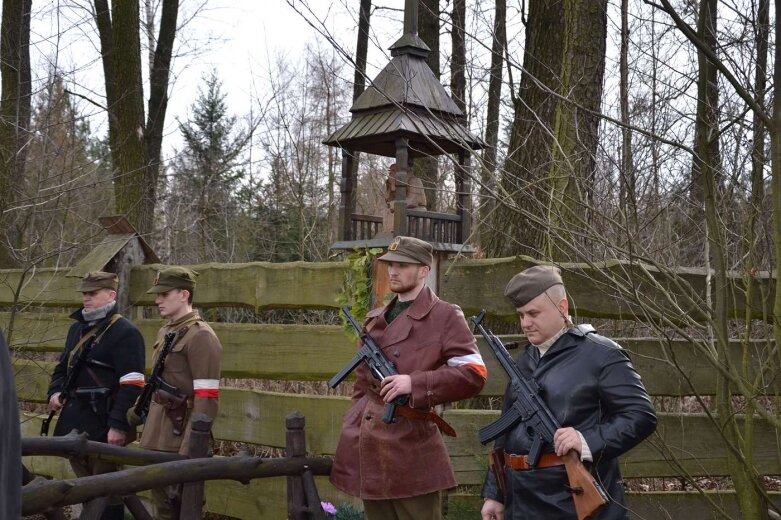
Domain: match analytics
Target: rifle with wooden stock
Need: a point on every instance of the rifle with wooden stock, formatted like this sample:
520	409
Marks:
541	424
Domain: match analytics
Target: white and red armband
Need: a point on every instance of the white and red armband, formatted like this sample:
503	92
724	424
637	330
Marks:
206	388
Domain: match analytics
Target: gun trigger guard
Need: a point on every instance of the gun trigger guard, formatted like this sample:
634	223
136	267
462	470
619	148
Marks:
574	490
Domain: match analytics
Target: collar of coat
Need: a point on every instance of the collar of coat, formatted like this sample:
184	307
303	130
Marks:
422	305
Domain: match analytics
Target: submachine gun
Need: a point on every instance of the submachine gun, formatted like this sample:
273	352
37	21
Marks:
70	380
155	382
379	366
541	424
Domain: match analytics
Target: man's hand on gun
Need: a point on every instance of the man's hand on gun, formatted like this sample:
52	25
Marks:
395	386
54	402
566	439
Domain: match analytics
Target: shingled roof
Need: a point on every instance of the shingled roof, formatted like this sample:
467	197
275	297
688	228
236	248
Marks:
406	100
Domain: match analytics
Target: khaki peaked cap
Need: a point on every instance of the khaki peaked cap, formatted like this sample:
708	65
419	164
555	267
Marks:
175	277
532	282
96	280
409	250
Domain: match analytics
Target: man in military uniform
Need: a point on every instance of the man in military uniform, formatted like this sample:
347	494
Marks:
192	367
590	385
400	469
108	383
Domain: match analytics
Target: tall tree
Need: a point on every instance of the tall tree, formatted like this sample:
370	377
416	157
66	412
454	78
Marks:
426	168
135	143
486	202
576	133
529	151
15	99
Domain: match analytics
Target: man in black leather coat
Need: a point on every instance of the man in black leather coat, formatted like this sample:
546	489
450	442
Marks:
595	393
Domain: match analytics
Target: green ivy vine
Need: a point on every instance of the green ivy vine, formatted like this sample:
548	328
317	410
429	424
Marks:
356	290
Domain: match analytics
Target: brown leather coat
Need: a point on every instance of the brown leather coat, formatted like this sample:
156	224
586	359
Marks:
432	343
196	356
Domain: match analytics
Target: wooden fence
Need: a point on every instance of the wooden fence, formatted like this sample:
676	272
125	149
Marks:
684	444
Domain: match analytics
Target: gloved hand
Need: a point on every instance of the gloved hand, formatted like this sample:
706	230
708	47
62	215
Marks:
133	419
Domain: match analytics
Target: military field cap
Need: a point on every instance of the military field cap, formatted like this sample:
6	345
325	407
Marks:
527	285
174	278
409	250
98	280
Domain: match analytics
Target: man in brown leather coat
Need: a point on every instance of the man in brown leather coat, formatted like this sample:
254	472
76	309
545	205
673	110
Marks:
193	367
399	469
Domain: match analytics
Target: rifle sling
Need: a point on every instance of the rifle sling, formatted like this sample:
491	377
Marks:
97	332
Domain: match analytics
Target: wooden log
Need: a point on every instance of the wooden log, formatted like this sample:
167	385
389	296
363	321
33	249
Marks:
192	492
255	285
77	445
315	353
607	289
45	495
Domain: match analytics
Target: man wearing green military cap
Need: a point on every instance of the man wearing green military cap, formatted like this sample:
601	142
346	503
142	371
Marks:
590	385
109	381
192	367
400	469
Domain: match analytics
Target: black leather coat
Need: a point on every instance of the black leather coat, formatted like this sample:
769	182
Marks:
119	352
589	384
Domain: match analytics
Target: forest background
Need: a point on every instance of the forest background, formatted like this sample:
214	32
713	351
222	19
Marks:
632	130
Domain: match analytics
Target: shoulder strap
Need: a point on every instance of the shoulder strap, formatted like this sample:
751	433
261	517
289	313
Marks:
98	331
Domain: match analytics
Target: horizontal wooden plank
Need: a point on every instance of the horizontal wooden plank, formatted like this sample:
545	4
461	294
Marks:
40	287
691	440
605	289
256	285
656	505
317	352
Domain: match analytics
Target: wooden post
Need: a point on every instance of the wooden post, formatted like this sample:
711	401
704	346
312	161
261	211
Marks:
192	492
464	197
312	497
348	195
295	446
400	203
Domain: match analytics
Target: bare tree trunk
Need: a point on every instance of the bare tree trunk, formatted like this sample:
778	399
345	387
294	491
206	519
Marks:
577	127
627	181
135	145
158	104
359	83
15	96
531	136
458	57
486	202
426	168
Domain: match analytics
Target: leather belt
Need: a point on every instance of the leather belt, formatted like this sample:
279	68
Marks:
521	462
414	413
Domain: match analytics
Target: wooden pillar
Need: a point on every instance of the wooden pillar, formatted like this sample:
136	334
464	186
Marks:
400	203
348	196
295	446
464	196
192	492
130	255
